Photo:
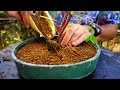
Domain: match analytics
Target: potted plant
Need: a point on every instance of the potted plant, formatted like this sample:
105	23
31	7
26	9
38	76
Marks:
38	58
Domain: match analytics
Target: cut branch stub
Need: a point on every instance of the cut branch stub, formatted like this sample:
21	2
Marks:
62	28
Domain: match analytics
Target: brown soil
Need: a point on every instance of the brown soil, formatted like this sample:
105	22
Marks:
38	52
42	25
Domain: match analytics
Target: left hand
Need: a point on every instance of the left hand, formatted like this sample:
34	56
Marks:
74	34
20	16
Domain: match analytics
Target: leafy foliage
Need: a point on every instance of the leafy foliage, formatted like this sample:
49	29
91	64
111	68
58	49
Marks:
15	32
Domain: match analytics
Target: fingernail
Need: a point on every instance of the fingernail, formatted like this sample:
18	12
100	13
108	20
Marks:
27	26
73	43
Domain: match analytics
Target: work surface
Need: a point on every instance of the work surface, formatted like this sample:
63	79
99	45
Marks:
108	66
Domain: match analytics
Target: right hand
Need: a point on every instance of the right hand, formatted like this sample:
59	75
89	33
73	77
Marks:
74	34
20	16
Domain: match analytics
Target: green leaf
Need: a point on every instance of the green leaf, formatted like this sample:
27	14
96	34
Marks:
90	24
94	39
91	30
88	38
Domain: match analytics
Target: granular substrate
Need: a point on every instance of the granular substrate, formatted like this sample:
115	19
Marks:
37	52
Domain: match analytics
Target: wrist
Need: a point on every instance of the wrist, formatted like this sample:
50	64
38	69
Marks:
94	29
97	30
90	29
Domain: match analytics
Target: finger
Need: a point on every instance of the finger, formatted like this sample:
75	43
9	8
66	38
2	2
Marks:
25	17
80	39
76	35
64	32
15	14
69	34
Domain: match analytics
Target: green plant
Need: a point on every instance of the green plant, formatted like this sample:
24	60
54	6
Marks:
3	15
91	37
15	32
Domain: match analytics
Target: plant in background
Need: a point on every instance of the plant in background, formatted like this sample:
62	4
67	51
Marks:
15	32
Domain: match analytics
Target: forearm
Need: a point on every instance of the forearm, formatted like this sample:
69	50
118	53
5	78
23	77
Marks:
109	31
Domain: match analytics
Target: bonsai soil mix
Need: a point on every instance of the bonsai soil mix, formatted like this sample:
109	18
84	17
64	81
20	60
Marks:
38	52
42	24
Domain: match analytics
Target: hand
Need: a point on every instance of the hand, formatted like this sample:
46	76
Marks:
20	16
74	34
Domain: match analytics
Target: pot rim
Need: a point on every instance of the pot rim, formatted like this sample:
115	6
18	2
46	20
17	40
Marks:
63	65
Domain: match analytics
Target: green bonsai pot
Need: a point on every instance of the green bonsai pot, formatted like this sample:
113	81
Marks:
66	71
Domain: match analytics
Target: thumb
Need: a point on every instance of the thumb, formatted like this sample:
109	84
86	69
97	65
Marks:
15	14
25	17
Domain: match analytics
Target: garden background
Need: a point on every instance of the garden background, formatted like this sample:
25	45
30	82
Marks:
11	31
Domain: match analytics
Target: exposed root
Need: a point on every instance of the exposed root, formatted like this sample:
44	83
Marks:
73	51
